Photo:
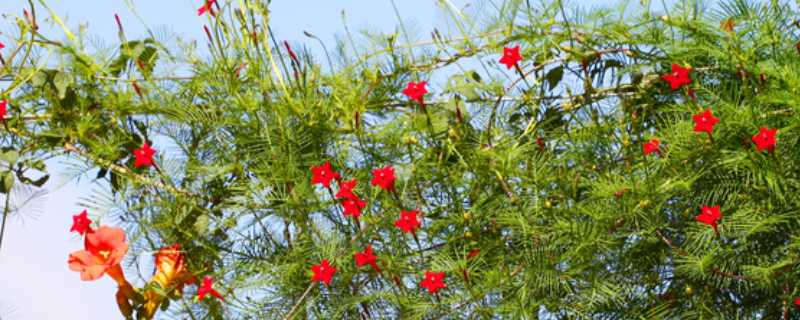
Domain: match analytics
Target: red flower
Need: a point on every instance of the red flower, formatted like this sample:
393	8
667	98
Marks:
651	146
473	253
206	289
3	111
679	77
728	25
2	45
407	221
433	281
144	156
346	189
705	122
205	7
291	53
81	223
510	56
383	177
255	38
415	91
765	138
797	302
365	257
323	272
353	206
709	216
324	175
741	72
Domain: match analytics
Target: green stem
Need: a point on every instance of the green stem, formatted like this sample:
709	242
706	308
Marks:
5	215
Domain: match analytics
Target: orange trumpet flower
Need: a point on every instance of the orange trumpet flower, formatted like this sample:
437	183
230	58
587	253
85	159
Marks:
172	273
105	248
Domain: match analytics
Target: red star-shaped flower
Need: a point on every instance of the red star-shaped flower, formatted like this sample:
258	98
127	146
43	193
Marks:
205	7
651	146
353	206
384	178
415	91
324	175
365	257
765	138
346	189
206	288
704	122
144	156
80	223
797	302
2	45
510	56
709	216
323	272
407	222
473	253
3	111
433	281
679	76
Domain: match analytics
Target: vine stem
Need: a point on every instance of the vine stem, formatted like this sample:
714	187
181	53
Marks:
5	215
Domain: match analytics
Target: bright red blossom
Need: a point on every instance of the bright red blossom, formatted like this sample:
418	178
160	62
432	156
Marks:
407	221
765	138
323	272
383	177
346	189
324	175
709	216
206	289
679	76
205	7
144	156
651	146
415	91
81	223
704	122
3	111
473	253
366	257
352	206
510	56
2	45
433	281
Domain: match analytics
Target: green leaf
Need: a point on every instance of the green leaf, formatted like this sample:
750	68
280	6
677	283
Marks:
7	182
164	304
41	181
61	82
39	79
554	77
119	65
10	155
201	225
137	51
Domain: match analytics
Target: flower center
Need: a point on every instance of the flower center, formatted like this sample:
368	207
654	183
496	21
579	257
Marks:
765	136
704	119
381	174
105	254
322	173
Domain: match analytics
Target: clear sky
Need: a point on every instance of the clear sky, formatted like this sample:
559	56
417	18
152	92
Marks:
34	276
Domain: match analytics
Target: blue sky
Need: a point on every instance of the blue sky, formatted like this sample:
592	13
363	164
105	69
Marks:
34	276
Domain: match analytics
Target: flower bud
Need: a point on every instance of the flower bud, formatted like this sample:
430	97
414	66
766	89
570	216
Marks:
627	143
124	305
468	234
548	205
688	290
467	216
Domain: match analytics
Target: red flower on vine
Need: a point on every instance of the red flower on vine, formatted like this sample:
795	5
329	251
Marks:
144	156
3	111
704	122
105	248
511	57
352	206
472	254
765	138
80	223
206	289
651	146
709	216
2	45
679	76
415	91
797	302
323	272
205	7
324	175
407	221
433	281
384	178
346	189
365	257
